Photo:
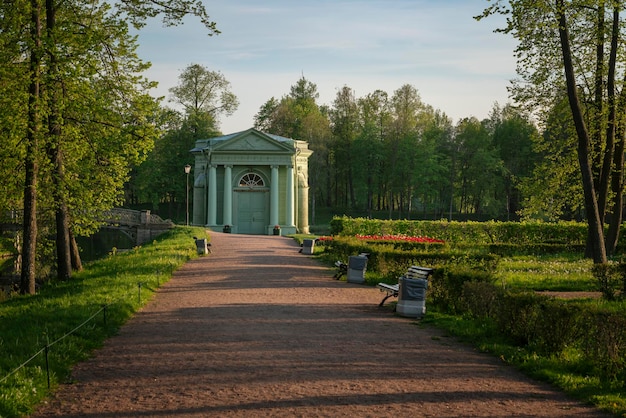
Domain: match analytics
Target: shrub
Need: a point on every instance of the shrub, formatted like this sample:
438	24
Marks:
510	250
481	299
447	286
477	233
517	316
391	263
605	342
610	277
559	324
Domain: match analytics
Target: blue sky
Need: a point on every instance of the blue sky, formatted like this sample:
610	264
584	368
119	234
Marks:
457	64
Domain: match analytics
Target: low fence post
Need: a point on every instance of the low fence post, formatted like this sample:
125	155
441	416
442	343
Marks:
47	364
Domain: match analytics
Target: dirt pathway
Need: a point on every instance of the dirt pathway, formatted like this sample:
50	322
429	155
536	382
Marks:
257	329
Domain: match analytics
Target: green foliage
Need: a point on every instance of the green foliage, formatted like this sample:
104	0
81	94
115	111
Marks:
161	178
605	342
578	344
517	315
554	189
30	323
205	96
561	272
610	278
472	233
567	370
446	285
570	338
395	154
76	112
479	299
203	91
559	325
547	326
391	262
508	250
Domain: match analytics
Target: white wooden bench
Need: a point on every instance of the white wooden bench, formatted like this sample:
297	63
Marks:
414	272
342	268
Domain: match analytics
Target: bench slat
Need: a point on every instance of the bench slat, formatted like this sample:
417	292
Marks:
414	272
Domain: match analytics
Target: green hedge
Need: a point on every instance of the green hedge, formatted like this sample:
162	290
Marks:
445	288
510	250
549	326
463	283
477	233
391	262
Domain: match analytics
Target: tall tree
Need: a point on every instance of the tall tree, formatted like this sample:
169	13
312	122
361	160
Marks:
406	106
95	35
205	96
574	37
374	121
594	219
479	169
344	123
31	163
203	93
514	137
297	115
554	190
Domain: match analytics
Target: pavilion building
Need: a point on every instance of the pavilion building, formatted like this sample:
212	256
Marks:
250	182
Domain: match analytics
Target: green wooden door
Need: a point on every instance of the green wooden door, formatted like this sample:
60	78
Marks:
252	212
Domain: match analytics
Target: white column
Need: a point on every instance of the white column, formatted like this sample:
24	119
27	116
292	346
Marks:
289	197
274	196
212	196
228	195
303	205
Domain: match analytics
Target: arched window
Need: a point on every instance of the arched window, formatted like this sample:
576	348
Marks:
251	180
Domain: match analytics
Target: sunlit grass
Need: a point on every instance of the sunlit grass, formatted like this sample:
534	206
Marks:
74	317
566	371
549	272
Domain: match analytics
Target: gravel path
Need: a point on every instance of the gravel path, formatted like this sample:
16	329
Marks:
256	329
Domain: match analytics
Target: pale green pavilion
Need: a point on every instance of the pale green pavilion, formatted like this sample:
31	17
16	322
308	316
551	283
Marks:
251	181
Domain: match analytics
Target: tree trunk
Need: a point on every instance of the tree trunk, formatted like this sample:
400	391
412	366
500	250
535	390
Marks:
64	259
77	264
596	233
618	129
598	105
29	246
329	187
608	160
55	153
615	219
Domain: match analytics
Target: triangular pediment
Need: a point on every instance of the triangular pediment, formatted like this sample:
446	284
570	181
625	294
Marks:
253	141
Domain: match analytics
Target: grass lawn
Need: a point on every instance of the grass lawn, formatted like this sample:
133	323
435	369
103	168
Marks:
69	319
562	272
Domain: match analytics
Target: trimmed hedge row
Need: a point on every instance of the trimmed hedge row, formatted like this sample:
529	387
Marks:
392	262
463	283
549	326
476	233
511	250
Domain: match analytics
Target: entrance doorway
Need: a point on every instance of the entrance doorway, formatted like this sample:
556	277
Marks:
252	213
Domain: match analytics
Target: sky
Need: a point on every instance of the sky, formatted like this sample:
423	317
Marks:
457	64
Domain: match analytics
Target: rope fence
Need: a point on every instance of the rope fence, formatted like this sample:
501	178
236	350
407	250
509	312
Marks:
45	349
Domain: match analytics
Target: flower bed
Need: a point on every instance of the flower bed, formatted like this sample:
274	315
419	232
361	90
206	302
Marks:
404	238
391	238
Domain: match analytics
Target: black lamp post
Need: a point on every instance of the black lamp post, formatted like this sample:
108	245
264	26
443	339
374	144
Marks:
187	171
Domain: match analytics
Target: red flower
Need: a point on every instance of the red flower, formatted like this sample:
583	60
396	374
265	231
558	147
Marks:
399	238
